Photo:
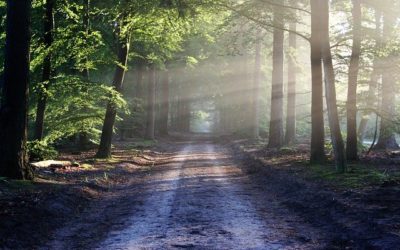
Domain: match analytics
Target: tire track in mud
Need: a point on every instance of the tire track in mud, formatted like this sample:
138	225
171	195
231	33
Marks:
147	224
199	199
202	204
209	213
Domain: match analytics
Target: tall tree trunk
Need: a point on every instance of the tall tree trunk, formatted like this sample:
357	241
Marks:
256	90
183	105
14	101
352	144
276	122
387	138
151	100
187	116
317	106
139	93
246	95
290	136
375	78
48	26
164	111
179	109
184	114
104	150
330	91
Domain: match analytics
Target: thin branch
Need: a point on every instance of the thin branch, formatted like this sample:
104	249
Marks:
285	6
262	23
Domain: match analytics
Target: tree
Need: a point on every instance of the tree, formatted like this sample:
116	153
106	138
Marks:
14	101
256	89
317	107
164	108
290	136
140	68
123	44
352	142
48	26
276	122
387	138
330	90
375	78
151	102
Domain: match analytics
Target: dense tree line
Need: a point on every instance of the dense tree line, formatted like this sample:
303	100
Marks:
288	71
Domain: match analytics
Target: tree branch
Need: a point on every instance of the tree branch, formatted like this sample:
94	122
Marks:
263	23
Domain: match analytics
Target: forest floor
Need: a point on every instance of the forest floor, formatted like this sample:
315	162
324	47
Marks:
203	193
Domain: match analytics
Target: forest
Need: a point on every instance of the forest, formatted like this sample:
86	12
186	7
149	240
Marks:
200	124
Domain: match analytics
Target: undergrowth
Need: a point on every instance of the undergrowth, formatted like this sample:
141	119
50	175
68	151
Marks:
357	175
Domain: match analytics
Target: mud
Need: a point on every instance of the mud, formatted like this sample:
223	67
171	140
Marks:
199	194
201	199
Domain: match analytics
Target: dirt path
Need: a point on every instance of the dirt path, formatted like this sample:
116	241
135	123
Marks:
199	199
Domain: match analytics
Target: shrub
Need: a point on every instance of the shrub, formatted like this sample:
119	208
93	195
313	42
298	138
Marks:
40	150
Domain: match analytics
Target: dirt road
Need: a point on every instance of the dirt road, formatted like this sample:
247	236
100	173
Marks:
199	199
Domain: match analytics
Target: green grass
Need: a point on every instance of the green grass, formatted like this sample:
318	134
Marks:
357	176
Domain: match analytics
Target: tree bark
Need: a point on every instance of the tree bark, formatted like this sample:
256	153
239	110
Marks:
164	109
276	122
317	106
151	99
256	90
183	105
48	27
179	109
290	136
387	138
186	110
139	93
352	142
104	150
14	101
330	91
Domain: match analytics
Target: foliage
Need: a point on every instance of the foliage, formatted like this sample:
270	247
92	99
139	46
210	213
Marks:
76	106
40	150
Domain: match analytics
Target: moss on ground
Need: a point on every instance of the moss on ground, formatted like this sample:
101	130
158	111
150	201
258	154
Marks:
357	175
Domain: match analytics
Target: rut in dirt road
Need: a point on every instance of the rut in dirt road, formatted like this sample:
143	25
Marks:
203	200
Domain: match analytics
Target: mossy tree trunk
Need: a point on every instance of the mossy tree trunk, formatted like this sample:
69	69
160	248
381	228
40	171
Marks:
104	150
